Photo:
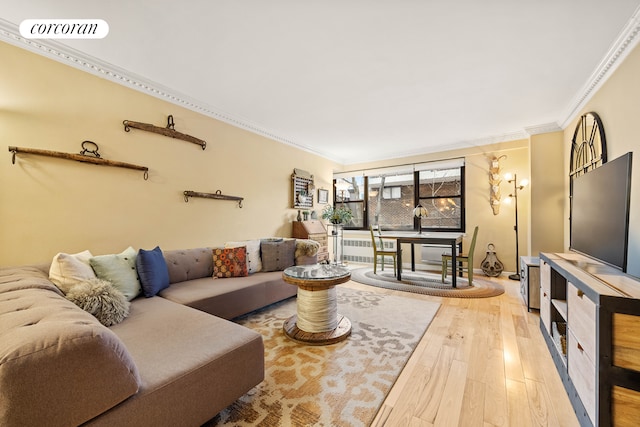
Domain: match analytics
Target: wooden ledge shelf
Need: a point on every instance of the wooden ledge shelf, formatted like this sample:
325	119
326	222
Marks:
217	195
166	131
77	157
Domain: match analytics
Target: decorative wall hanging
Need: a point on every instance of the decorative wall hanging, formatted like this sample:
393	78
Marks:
323	196
494	181
89	154
303	188
217	195
588	146
169	130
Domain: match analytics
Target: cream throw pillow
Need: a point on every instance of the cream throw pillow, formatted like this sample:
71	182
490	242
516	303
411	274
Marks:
254	262
68	270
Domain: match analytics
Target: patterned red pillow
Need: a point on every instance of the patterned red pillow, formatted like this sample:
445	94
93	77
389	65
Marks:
230	262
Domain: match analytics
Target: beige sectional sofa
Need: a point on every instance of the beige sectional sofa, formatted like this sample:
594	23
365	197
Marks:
174	360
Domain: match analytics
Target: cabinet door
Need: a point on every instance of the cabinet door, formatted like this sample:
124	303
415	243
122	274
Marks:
545	295
582	372
582	319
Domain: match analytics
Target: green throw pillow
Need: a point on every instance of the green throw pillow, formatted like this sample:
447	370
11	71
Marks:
120	270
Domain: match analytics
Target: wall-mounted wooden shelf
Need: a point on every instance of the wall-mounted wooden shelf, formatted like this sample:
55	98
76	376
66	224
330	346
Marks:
217	195
302	189
78	158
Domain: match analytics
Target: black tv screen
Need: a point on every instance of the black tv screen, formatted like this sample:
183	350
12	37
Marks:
600	212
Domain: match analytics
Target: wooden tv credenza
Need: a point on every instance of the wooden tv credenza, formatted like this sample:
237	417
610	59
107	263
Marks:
590	319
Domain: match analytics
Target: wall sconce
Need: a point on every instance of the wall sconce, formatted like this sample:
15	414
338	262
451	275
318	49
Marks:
516	187
420	212
494	181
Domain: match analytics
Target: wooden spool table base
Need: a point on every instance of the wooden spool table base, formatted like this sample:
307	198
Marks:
317	338
317	304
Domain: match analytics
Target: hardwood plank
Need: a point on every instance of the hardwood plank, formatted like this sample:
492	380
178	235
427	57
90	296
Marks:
472	411
512	363
519	415
539	404
495	403
451	403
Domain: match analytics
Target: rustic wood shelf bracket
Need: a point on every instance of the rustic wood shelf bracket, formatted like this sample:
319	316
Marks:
169	130
217	195
87	147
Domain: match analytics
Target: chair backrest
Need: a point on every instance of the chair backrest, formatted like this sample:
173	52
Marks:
472	247
375	245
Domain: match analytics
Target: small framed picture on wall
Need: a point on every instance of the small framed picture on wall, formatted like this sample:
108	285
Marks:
323	196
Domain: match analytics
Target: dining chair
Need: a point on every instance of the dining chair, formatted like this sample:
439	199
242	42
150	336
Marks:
461	259
378	250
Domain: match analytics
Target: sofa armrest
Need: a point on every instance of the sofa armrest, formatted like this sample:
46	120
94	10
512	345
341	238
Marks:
58	364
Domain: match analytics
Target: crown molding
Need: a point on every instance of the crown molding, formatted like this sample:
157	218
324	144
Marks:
10	33
619	50
543	128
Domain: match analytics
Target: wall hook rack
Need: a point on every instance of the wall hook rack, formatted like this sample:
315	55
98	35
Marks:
169	130
217	195
87	147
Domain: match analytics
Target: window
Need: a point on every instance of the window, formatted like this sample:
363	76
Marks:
350	193
440	192
387	196
392	193
391	199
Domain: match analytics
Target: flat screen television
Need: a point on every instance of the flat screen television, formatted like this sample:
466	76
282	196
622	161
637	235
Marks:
600	212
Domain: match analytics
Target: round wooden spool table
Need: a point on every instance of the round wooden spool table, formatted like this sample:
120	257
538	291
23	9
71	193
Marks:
317	321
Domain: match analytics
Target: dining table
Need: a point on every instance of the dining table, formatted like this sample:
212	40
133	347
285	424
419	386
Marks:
451	240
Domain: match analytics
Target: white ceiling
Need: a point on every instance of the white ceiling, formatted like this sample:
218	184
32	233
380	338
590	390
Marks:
359	80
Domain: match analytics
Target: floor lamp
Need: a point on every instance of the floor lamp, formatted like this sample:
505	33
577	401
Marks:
516	187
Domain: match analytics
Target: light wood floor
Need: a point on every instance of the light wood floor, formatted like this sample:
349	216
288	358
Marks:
482	362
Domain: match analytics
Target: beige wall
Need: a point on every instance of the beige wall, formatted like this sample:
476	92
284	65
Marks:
617	103
547	193
496	229
51	205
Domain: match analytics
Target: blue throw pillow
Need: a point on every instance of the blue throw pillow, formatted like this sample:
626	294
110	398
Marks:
153	271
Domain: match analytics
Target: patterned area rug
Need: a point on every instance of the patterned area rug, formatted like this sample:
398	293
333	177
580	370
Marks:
428	283
343	384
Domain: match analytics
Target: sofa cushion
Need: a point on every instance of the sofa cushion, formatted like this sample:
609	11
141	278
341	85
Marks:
56	354
231	297
69	269
120	270
152	271
277	255
204	365
254	262
26	277
230	262
189	264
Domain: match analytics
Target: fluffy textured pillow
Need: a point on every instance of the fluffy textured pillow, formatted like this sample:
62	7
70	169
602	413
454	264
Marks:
230	262
306	247
152	271
254	263
101	299
277	255
120	270
70	269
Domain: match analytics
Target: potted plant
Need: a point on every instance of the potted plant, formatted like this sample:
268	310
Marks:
302	197
338	215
